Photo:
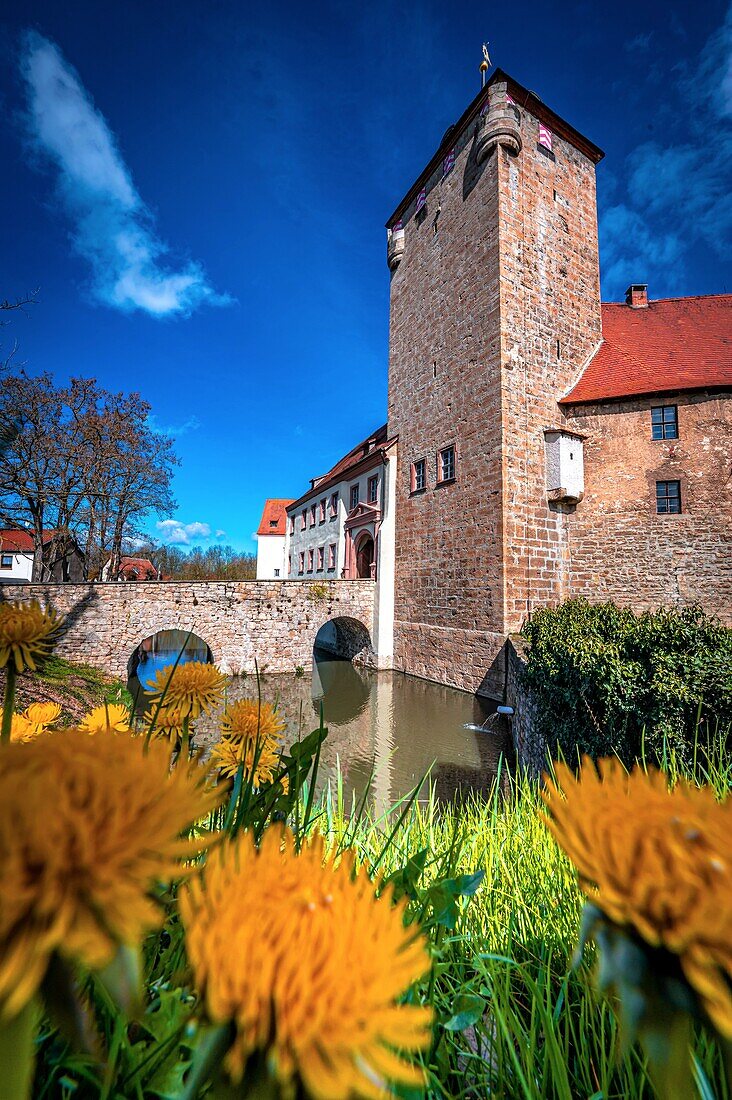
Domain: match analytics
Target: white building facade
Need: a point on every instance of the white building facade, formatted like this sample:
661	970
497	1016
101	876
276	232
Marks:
271	537
342	528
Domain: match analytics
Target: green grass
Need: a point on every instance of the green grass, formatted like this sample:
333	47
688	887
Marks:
534	1027
514	1018
82	682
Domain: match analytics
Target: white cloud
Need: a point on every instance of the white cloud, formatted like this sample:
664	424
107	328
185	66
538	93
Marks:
678	192
173	430
220	534
112	228
180	534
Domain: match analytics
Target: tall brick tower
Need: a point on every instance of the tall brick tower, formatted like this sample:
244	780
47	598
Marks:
495	309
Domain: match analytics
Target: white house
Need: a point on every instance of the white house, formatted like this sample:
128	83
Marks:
62	557
271	536
343	528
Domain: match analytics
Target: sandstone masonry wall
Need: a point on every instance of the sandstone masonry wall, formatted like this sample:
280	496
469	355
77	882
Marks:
621	549
550	325
495	307
443	355
272	622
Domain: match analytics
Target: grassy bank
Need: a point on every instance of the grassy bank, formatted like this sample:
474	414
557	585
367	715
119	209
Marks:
515	1019
76	688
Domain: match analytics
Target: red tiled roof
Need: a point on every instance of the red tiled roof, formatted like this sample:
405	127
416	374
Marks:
17	540
673	344
274	517
137	568
367	449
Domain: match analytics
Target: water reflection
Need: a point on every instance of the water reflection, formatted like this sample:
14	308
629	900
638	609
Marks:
158	651
396	725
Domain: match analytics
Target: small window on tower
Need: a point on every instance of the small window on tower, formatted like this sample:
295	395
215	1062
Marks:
668	497
446	465
419	475
664	422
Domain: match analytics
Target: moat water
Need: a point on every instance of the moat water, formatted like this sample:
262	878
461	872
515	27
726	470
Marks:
395	726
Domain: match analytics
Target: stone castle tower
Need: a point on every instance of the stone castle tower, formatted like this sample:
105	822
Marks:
495	310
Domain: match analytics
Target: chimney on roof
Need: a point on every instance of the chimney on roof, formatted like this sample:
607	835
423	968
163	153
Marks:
636	296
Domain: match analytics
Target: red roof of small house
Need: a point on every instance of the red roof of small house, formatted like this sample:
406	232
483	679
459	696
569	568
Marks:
274	517
137	569
20	541
671	345
368	452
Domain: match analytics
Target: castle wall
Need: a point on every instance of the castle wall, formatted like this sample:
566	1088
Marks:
443	390
495	308
621	549
550	326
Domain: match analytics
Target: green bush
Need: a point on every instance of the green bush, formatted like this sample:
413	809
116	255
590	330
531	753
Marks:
609	681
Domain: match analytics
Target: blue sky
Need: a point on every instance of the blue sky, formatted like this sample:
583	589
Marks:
200	191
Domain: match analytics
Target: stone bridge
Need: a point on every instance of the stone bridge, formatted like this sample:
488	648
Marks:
272	622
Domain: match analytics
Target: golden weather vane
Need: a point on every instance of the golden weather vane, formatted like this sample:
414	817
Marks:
485	64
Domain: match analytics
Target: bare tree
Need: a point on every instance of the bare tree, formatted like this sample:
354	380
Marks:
84	462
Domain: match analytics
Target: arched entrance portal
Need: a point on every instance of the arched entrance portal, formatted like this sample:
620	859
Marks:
158	650
365	557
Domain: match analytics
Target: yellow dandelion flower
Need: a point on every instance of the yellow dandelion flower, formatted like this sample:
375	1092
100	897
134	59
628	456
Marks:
247	718
43	714
228	753
190	688
88	826
168	721
308	963
22	729
250	731
656	861
109	716
27	633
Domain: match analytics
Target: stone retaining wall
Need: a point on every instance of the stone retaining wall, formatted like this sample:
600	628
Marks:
529	745
272	622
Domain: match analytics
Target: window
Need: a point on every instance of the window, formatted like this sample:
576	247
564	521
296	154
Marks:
321	558
321	514
289	564
304	520
302	562
446	465
273	522
312	515
664	422
419	475
311	559
334	505
6	561
373	490
668	496
292	525
276	572
354	496
332	556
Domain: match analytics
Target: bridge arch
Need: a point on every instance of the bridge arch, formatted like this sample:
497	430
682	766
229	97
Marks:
345	638
168	640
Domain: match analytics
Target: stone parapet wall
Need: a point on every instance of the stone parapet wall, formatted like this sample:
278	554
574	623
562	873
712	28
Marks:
530	747
271	622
